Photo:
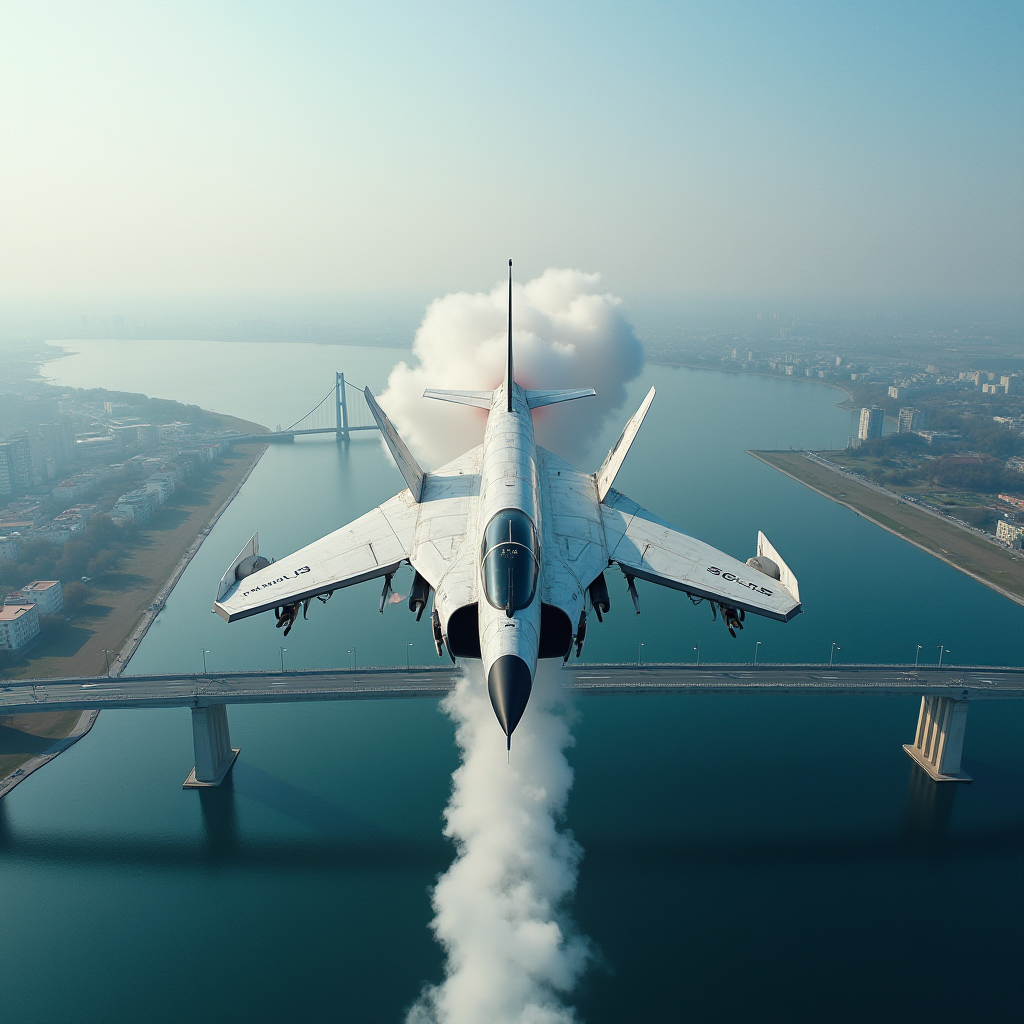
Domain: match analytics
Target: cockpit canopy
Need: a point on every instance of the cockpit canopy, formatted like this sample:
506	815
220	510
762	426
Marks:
510	564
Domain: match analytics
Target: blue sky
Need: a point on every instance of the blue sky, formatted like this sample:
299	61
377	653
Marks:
825	151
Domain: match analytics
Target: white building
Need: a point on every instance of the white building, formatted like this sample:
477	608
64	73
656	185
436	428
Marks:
148	435
138	505
9	549
1011	534
95	448
46	595
931	436
60	531
871	421
19	623
162	484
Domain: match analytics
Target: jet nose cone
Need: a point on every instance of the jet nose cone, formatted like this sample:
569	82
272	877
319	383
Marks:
509	684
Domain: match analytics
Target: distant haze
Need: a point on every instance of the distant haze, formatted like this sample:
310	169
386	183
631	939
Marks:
864	152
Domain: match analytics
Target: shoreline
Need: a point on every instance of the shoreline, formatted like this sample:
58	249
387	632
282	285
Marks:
126	653
86	720
756	373
127	648
898	502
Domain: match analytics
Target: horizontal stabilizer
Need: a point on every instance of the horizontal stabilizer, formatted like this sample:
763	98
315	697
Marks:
399	450
605	476
538	399
786	577
478	399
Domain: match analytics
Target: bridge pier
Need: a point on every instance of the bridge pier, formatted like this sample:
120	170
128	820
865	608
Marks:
939	742
213	751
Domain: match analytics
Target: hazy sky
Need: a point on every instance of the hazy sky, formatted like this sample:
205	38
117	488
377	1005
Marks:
822	150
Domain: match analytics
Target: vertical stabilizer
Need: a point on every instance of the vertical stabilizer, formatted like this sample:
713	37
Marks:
766	549
509	370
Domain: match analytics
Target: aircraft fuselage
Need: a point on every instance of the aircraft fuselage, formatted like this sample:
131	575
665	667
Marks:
510	556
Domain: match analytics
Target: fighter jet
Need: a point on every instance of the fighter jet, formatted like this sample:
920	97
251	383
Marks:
509	545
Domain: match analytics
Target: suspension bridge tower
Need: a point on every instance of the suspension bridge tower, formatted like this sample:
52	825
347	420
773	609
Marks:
340	407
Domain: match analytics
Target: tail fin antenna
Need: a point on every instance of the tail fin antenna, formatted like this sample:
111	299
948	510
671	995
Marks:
509	371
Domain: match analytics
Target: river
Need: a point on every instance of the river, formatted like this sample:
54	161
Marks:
746	858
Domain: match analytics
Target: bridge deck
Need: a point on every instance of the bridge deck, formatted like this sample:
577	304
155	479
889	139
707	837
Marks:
165	691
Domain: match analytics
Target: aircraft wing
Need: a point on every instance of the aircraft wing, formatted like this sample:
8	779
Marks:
372	545
650	549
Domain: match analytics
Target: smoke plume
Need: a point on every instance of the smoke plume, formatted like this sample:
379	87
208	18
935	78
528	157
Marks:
512	954
566	334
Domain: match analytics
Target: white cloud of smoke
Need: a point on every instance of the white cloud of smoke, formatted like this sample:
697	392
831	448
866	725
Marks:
512	955
566	334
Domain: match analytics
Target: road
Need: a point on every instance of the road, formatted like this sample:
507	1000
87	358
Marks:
165	691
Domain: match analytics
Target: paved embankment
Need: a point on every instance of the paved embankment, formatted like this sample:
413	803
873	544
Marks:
963	548
86	720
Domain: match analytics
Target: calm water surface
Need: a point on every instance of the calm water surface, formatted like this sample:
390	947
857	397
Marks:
747	858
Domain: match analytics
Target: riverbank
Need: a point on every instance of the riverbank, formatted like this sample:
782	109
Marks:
847	402
27	742
984	561
120	602
121	607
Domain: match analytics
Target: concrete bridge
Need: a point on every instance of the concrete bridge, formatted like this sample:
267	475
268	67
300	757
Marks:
945	695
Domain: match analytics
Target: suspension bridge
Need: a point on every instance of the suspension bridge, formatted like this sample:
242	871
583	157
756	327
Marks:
338	412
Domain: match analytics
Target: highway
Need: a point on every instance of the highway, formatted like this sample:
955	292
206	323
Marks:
167	691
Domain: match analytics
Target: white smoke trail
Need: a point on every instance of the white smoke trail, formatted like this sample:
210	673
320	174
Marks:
566	334
499	911
512	955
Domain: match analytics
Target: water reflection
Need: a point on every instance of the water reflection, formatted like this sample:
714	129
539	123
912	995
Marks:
928	809
225	843
304	807
220	819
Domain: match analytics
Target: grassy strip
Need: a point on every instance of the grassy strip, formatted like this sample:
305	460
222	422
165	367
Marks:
995	567
24	736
